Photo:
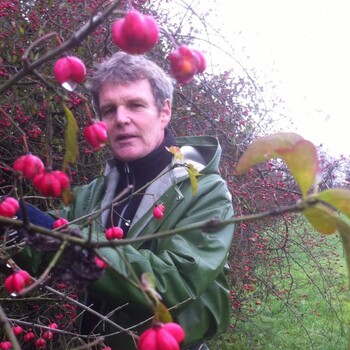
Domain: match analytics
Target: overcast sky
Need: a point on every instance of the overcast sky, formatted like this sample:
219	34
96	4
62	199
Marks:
304	47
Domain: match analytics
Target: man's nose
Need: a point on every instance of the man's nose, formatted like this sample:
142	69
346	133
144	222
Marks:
121	115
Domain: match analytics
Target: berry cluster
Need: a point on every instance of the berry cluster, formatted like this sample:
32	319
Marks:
48	182
114	232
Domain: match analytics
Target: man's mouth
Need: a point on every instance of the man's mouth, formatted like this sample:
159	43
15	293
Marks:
124	137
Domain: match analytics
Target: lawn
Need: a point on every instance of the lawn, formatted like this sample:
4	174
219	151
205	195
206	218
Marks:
312	309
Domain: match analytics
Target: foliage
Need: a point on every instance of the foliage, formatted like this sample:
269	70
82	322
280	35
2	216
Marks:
37	112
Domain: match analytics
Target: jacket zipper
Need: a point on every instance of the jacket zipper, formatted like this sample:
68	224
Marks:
130	180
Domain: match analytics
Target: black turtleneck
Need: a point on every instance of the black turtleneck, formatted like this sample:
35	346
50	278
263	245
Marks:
137	173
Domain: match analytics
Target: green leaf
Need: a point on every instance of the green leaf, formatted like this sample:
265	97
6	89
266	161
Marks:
338	198
299	154
193	173
71	138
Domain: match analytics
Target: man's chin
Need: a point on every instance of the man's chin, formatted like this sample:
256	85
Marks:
127	155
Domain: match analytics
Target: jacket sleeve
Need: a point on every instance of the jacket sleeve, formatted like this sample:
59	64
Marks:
184	265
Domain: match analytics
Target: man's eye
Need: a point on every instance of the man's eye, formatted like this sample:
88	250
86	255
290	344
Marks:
107	113
136	105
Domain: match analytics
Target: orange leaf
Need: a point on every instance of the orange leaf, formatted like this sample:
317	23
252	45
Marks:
264	148
299	154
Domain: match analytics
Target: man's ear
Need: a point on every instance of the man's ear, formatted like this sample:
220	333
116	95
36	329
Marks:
165	113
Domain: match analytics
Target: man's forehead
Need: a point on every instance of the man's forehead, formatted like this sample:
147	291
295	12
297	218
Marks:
137	89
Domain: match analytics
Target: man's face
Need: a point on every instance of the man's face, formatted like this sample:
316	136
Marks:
135	126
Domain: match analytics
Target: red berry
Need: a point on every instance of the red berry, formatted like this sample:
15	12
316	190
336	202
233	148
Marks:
201	62
9	207
96	134
136	33
28	337
40	343
5	345
28	165
158	211
185	63
114	232
17	281
17	330
51	183
60	222
48	335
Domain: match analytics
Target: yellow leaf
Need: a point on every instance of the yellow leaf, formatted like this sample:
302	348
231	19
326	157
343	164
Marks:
162	314
322	219
176	152
71	139
302	162
67	196
193	173
338	198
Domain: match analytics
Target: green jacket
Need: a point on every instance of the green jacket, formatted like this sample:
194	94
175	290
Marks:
189	268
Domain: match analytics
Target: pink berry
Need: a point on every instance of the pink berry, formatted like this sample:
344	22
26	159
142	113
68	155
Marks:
162	336
51	183
17	281
48	335
60	222
53	325
17	330
100	263
96	134
9	207
201	62
29	165
114	232
175	330
40	343
136	33
28	337
158	211
185	63
5	345
69	70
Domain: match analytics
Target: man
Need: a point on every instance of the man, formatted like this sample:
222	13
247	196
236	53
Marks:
133	97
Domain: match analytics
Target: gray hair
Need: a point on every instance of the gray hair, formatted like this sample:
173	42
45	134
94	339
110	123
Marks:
123	69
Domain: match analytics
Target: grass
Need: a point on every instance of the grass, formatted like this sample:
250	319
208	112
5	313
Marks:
312	308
